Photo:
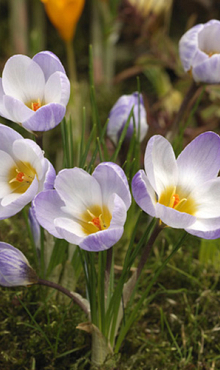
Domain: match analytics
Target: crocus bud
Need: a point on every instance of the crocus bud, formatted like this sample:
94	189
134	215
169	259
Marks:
119	115
64	14
199	51
14	267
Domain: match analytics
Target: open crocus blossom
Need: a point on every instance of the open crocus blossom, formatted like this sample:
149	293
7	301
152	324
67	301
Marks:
119	115
34	92
14	267
24	171
184	192
87	210
199	51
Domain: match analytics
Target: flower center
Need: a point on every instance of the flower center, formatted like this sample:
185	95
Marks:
95	219
21	176
34	105
173	198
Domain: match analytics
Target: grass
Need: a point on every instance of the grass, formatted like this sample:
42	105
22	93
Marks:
179	329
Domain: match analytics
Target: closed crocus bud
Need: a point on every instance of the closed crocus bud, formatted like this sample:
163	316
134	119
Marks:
64	14
199	51
120	113
14	267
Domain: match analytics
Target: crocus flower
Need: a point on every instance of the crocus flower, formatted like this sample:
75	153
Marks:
64	14
199	51
34	92
184	192
87	210
14	267
119	115
24	171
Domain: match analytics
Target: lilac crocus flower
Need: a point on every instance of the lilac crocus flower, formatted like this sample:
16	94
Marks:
199	51
14	267
184	192
34	92
87	210
24	171
119	114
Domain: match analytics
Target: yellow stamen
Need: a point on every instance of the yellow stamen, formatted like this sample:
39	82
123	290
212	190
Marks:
172	197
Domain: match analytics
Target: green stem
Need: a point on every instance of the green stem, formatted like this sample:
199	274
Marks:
71	61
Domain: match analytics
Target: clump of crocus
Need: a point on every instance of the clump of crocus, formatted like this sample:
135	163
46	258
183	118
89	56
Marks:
184	192
34	92
64	15
24	171
119	115
199	51
87	210
14	267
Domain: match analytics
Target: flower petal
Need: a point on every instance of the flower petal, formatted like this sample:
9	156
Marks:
171	217
7	137
24	152
188	46
206	228
112	179
69	230
207	198
49	63
118	211
199	161
143	193
14	202
45	118
208	71
6	162
16	110
160	164
23	79
47	207
102	240
57	89
79	190
14	267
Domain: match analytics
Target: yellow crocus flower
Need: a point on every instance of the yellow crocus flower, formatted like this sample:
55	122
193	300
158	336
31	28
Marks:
64	14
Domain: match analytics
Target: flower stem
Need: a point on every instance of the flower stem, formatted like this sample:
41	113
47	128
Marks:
147	249
65	291
71	61
189	95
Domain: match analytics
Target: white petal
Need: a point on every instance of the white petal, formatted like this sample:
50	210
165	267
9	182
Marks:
207	198
57	89
6	163
143	193
79	190
24	152
49	63
173	218
118	211
23	79
199	161
16	110
18	200
69	230
112	179
160	164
